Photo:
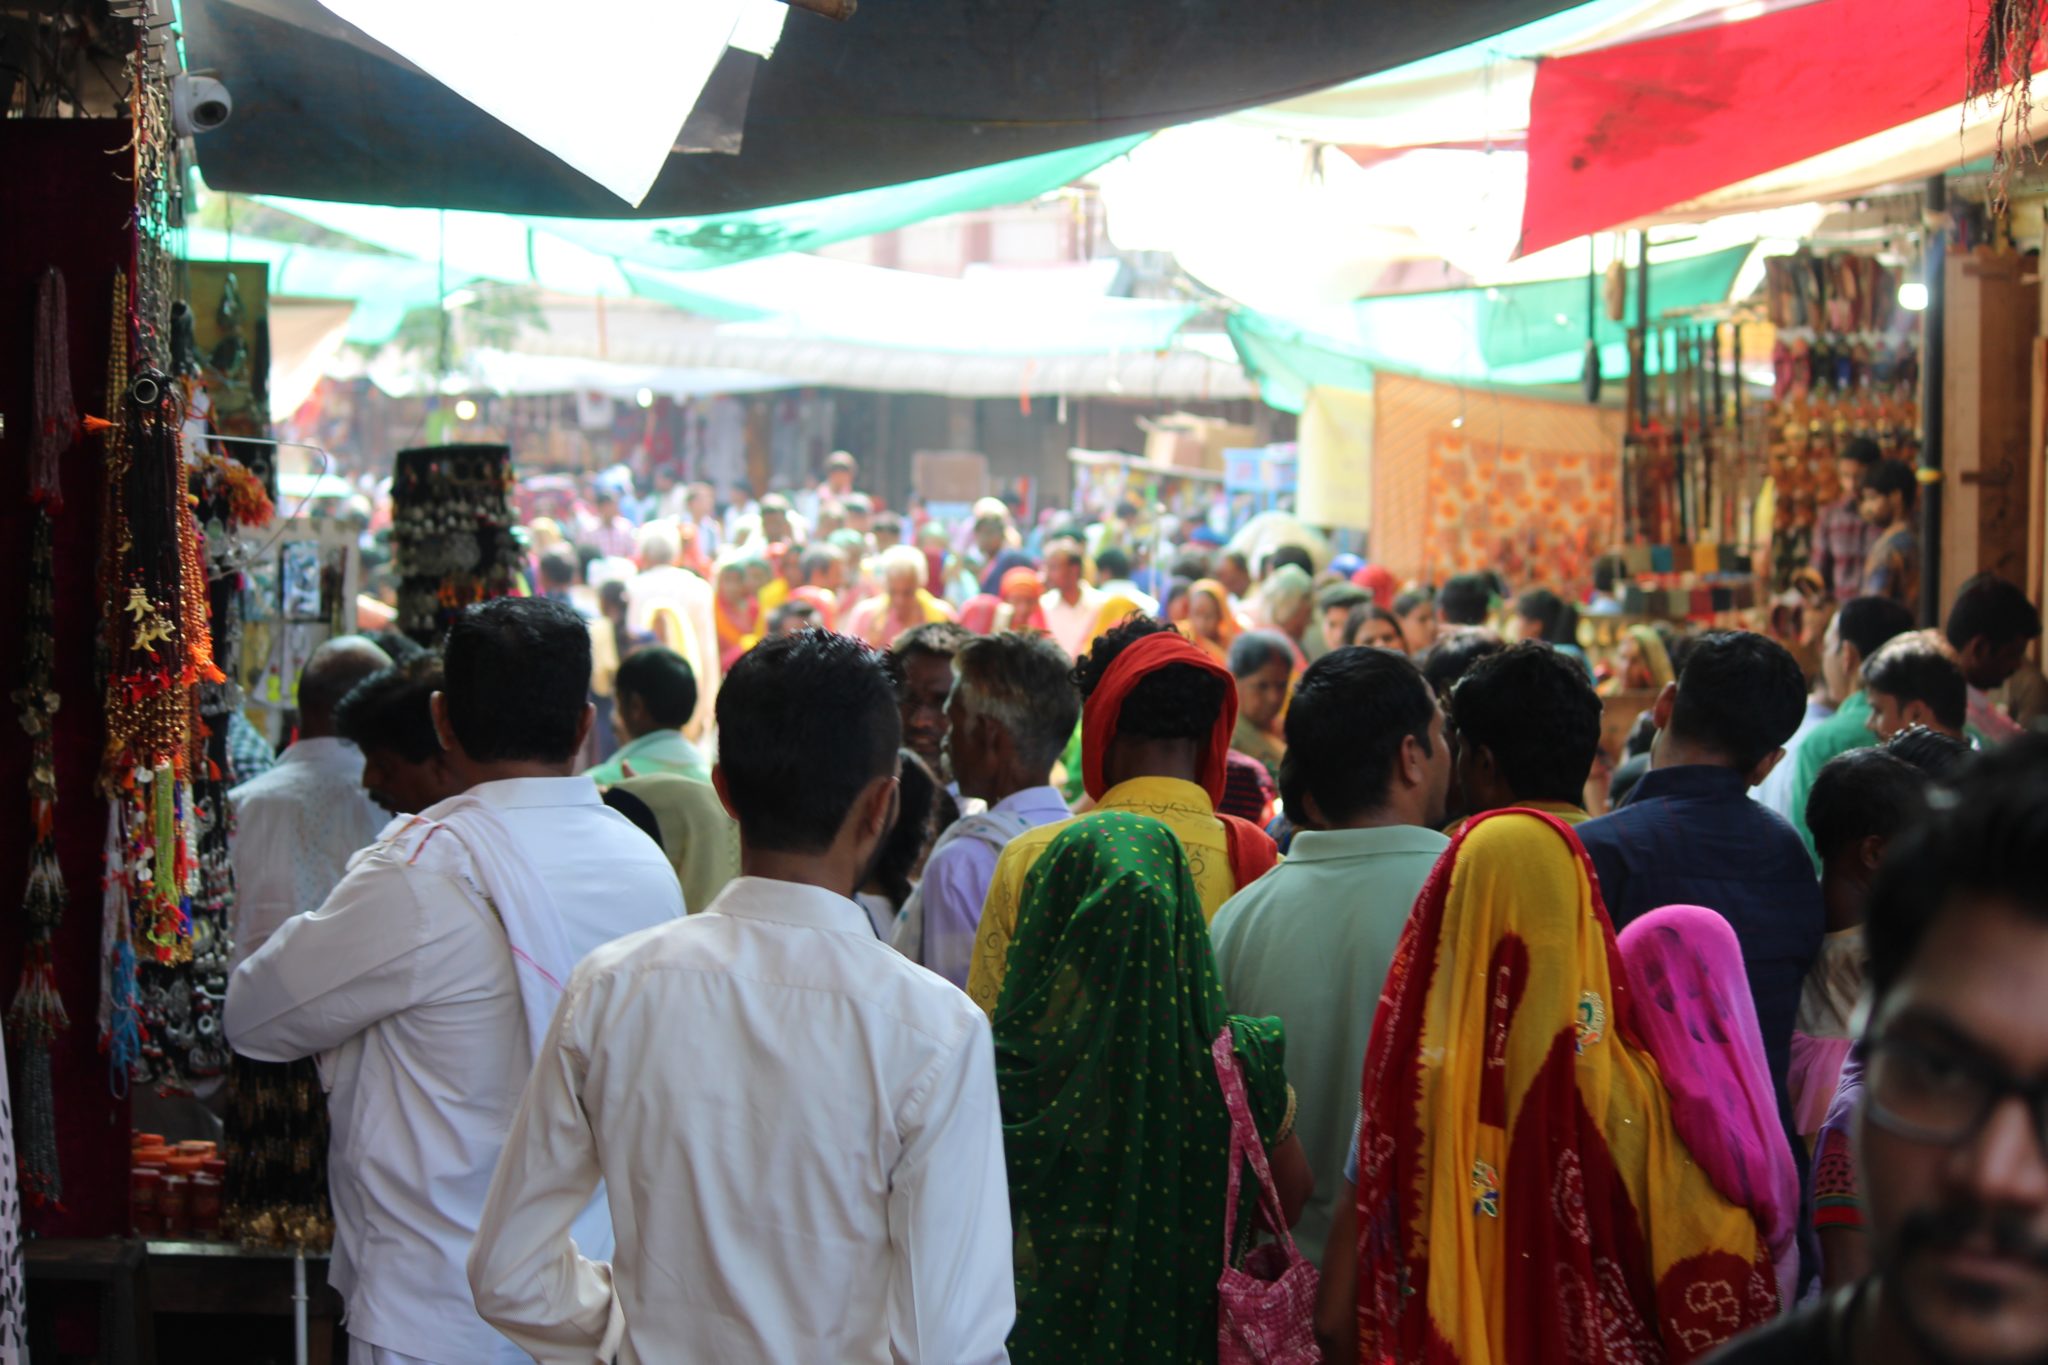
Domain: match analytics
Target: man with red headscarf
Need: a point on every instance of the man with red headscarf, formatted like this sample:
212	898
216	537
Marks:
1156	721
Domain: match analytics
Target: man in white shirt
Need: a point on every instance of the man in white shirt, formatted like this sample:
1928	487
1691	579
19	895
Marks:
298	824
799	1126
1011	712
1074	603
426	981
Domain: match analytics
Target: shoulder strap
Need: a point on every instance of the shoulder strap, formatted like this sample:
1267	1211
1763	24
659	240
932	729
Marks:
1252	851
1245	1145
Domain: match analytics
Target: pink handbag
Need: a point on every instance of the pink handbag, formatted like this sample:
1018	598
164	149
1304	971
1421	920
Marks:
1265	1309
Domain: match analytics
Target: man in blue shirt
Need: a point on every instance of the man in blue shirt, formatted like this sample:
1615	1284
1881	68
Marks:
1690	835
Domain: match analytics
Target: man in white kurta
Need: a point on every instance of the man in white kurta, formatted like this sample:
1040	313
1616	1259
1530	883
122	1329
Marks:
424	981
797	1126
297	826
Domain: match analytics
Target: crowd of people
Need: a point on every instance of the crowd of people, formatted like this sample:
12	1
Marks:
836	937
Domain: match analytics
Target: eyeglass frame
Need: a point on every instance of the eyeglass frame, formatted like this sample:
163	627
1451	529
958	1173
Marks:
2000	1084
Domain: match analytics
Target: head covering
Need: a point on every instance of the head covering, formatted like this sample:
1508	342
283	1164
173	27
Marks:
978	613
1227	627
1346	565
701	841
1378	580
1105	705
1696	1016
1022	579
1114	1127
1203	535
1523	1191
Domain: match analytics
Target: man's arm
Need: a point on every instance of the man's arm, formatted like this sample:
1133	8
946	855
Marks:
952	1295
955	888
330	973
992	938
529	1280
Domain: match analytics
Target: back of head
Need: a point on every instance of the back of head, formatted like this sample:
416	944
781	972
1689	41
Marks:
664	682
1350	712
1935	754
1450	659
1870	623
1985	838
1111	565
1557	618
1179	701
558	568
1465	600
1741	695
1891	476
1989	608
391	711
806	721
1256	650
1914	668
1290	556
1863	794
1025	684
330	674
518	680
1536	711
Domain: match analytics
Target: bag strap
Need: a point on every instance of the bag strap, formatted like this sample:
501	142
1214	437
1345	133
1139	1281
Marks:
1244	1144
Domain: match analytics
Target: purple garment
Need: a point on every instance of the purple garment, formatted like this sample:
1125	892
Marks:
956	883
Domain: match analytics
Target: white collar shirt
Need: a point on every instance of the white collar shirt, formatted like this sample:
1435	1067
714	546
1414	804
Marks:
402	983
295	829
800	1133
1070	622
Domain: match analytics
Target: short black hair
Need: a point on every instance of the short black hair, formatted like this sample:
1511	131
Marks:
1987	836
1191	565
1536	711
518	671
1914	668
1558	618
1932	752
1345	595
817	559
1449	659
1407	602
906	840
933	639
1740	694
1256	650
1350	712
558	568
392	711
401	647
805	721
1988	607
1112	564
1891	476
663	680
1608	572
1235	557
1179	701
1465	600
1863	794
1291	554
890	522
1863	451
1870	623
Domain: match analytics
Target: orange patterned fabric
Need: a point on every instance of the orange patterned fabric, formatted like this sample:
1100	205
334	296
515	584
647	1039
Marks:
1464	479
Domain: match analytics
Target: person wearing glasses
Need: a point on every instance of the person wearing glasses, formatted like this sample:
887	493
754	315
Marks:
1952	1133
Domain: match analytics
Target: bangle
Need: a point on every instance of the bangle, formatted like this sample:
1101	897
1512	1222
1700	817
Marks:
1286	1123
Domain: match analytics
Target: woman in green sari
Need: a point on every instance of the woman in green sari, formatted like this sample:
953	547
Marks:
1114	1126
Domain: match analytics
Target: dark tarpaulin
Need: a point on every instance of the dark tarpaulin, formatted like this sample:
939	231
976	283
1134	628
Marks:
905	90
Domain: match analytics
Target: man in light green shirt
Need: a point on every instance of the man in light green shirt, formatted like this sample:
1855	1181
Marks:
656	693
1862	627
1366	776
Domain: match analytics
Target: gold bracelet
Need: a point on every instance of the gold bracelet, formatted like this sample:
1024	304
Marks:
1286	1123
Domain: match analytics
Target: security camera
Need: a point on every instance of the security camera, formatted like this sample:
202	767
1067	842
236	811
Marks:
199	104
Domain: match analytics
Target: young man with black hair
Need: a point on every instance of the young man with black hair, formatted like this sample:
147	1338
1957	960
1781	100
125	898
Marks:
1160	752
1952	1129
801	1125
655	694
1527	722
389	716
428	977
1689	834
1464	601
1368	765
1453	656
924	672
1071	603
1860	628
1892	569
1841	537
1989	627
1334	605
1416	610
1913	681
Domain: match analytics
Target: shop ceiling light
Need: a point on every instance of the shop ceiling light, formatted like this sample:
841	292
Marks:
605	85
1913	296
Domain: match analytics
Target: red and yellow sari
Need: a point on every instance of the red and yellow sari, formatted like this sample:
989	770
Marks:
1523	1195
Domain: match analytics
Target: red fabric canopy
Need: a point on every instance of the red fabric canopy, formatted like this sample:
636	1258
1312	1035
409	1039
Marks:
1620	132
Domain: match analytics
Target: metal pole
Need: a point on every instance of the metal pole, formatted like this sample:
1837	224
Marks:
299	1306
1934	356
